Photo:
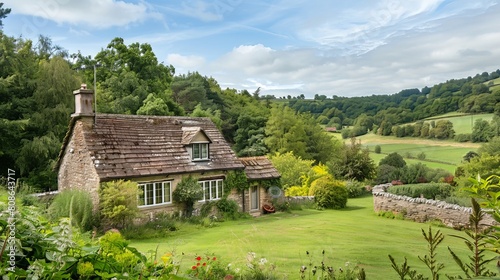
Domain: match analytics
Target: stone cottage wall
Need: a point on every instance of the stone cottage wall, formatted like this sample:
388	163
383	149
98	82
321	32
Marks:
77	169
422	209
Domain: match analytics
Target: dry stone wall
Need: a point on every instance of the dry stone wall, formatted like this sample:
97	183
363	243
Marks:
422	209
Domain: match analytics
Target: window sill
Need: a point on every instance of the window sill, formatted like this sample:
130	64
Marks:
153	206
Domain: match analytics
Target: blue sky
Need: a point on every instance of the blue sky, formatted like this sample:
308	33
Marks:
330	47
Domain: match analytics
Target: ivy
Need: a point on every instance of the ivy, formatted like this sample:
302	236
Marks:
236	179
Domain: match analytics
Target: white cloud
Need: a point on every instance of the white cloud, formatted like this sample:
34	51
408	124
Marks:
456	48
183	64
94	13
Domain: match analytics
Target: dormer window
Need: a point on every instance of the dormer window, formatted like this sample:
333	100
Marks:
200	151
197	143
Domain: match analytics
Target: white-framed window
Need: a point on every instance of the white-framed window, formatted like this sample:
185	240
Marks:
212	189
200	151
155	193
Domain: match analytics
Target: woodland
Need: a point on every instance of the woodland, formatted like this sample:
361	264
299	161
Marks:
37	79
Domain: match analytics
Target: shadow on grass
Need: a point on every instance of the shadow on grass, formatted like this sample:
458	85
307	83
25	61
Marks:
352	208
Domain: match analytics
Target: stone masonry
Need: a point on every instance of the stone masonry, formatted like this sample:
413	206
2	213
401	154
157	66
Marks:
422	209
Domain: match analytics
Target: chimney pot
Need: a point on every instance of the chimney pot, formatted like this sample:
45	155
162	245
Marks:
83	101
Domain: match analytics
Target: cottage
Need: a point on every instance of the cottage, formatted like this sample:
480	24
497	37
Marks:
260	173
154	151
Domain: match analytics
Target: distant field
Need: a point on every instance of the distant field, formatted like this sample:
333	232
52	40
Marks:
438	154
496	84
435	165
462	123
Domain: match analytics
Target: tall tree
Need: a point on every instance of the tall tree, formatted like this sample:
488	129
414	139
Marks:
48	125
481	132
189	90
3	13
285	132
354	163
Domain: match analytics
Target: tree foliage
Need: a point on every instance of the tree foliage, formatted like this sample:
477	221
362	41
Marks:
118	202
3	13
187	192
393	159
353	162
291	168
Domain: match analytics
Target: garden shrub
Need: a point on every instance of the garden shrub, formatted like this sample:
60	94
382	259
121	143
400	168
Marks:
224	209
76	205
282	205
297	191
330	194
466	137
355	188
458	200
161	226
228	208
437	175
187	192
427	190
118	202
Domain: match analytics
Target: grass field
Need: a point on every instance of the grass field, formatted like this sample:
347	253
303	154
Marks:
435	165
355	234
462	124
438	154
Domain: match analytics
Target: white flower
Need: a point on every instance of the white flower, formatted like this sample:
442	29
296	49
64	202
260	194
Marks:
250	256
263	261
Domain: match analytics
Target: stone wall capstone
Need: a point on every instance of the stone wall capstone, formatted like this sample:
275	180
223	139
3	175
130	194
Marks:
423	210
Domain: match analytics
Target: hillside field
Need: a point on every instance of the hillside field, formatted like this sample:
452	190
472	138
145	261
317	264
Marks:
462	123
444	154
438	154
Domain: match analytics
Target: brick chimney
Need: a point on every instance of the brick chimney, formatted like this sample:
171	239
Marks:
83	102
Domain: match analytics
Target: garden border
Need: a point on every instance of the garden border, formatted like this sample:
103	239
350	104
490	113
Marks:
424	210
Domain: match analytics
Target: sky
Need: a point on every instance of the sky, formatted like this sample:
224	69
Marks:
293	47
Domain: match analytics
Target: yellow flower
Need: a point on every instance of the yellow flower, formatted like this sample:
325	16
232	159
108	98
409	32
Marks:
166	258
85	268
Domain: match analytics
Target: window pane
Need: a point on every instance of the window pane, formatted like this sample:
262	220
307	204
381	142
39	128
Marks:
196	151
220	189
254	198
166	192
207	190
158	193
204	150
214	189
149	194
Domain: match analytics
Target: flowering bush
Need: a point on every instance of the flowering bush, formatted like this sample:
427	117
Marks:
258	268
209	267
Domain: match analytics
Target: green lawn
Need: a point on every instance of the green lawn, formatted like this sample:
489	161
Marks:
448	167
355	234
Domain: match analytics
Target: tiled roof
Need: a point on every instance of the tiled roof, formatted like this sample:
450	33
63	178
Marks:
258	168
134	146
